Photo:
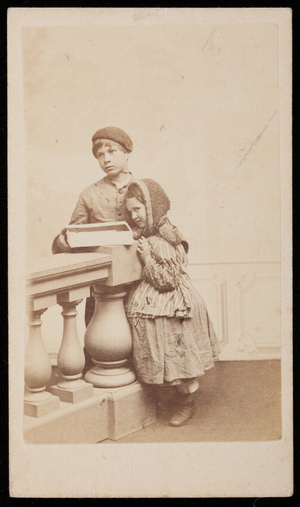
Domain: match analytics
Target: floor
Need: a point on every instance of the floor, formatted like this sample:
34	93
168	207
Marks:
236	401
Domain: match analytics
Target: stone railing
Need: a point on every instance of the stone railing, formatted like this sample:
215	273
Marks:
66	279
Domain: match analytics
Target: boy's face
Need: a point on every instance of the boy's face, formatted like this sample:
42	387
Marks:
112	159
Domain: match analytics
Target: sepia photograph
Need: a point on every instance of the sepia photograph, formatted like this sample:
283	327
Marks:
150	252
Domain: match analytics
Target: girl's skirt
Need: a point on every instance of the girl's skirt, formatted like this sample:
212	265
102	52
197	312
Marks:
171	349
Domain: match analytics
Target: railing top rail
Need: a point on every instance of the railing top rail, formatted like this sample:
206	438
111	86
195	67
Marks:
64	272
113	266
59	264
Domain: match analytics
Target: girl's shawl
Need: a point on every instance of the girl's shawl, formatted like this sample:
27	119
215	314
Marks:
157	205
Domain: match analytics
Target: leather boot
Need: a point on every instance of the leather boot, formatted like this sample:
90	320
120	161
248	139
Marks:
185	409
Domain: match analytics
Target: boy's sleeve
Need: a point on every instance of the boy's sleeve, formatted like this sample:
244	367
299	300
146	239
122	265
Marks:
80	214
163	269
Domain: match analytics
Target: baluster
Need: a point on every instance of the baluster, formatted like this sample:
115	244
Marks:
38	369
108	340
71	388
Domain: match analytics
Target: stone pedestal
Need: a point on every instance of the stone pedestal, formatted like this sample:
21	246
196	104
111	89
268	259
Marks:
108	340
108	414
129	409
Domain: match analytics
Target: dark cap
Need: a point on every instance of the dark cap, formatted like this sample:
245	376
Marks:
113	134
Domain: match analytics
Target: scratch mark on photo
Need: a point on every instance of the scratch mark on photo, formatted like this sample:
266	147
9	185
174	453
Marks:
256	139
209	38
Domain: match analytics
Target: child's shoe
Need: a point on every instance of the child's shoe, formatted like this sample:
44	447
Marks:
182	415
185	410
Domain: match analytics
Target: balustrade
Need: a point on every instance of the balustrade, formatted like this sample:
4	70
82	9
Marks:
63	280
66	279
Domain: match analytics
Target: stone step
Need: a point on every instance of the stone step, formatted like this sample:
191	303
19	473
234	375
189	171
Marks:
109	414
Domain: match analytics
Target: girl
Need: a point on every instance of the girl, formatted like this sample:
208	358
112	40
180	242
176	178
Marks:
173	338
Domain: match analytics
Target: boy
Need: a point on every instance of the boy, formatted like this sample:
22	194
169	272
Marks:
102	201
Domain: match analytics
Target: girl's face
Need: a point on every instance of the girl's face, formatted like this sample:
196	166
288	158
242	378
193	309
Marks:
137	212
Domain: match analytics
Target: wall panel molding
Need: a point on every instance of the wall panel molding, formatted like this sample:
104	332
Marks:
244	307
216	303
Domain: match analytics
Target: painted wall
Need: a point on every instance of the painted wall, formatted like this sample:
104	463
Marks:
201	106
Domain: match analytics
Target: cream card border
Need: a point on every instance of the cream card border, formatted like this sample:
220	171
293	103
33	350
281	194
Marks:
238	469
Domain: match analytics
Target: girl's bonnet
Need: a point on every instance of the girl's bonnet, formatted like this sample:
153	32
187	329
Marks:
157	206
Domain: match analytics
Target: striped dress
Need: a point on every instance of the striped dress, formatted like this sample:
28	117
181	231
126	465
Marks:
173	337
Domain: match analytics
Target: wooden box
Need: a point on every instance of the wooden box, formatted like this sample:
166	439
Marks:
102	234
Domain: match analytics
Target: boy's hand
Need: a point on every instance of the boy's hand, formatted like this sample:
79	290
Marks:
144	250
62	243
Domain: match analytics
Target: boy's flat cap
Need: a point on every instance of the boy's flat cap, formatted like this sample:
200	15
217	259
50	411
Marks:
113	134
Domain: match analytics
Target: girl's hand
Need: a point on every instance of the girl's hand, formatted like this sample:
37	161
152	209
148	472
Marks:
143	250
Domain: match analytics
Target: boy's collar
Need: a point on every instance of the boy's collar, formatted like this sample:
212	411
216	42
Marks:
120	184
